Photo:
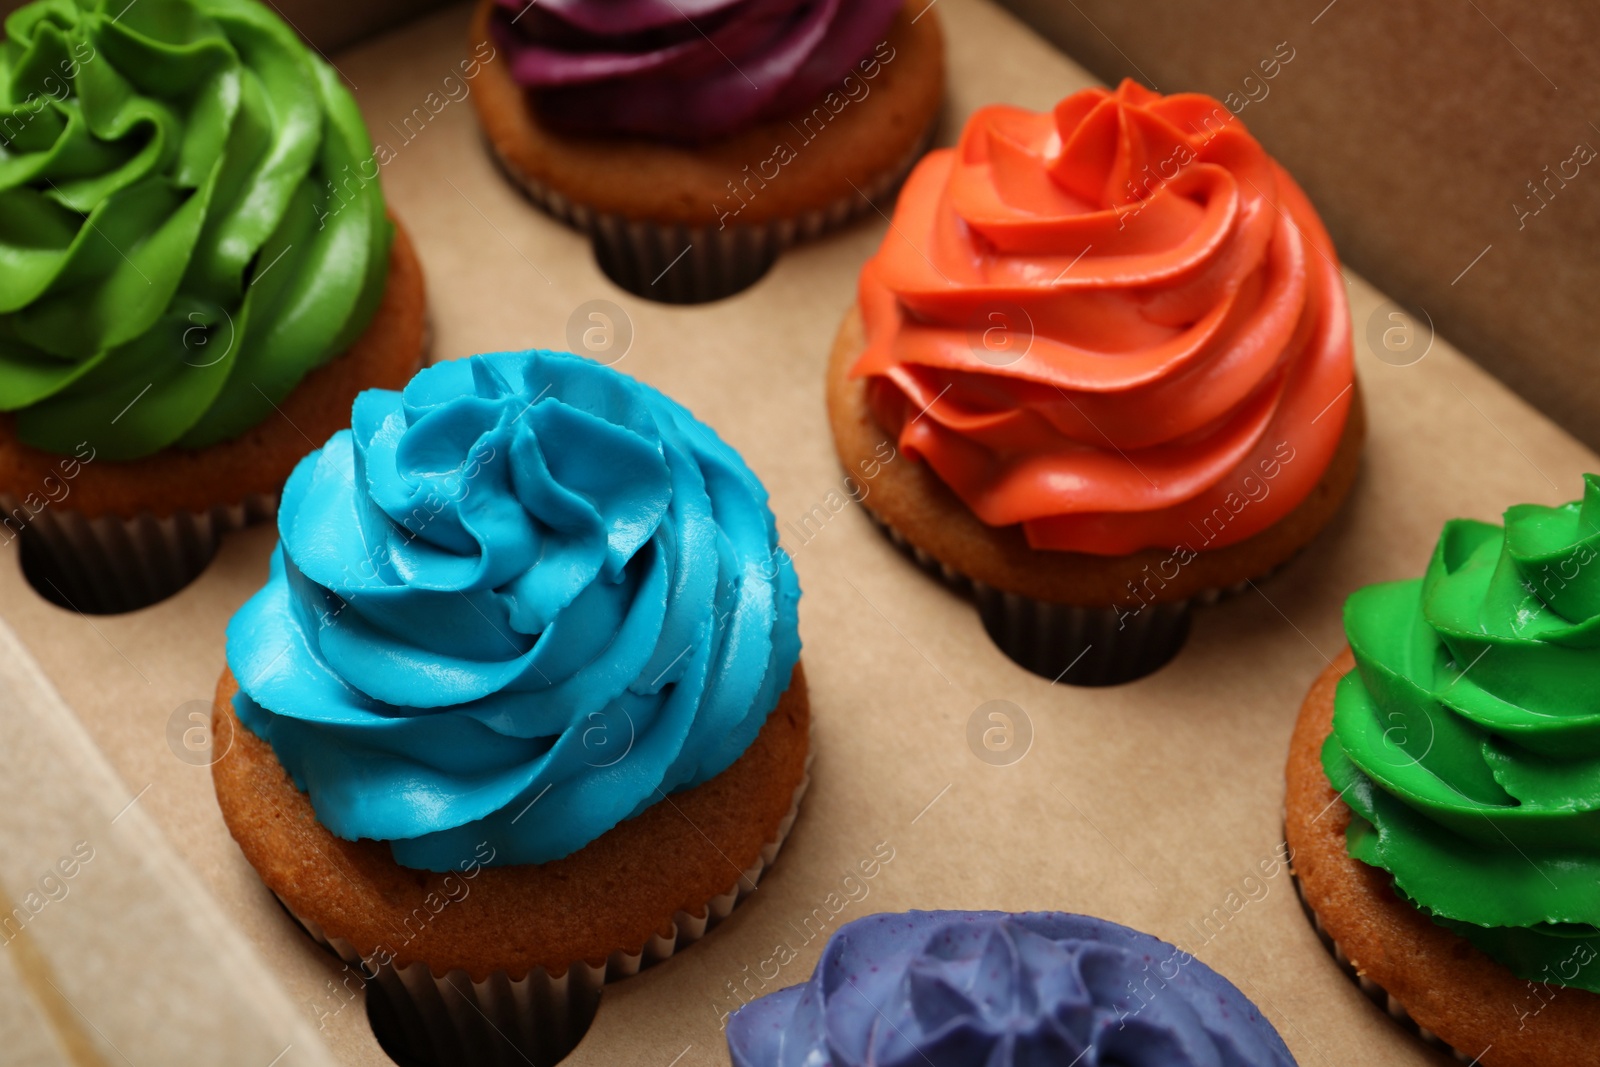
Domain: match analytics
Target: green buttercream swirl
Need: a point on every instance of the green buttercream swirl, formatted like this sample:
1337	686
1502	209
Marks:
174	254
1467	742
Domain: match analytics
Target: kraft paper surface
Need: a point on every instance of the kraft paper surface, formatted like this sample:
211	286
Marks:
1152	804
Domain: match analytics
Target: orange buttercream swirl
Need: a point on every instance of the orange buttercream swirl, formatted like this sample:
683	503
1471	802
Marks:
1120	324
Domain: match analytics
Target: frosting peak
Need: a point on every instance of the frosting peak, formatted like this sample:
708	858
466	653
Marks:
1467	742
1108	322
683	70
986	989
174	255
519	602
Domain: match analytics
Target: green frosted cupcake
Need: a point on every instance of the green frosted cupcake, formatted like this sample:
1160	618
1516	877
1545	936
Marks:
197	275
1444	795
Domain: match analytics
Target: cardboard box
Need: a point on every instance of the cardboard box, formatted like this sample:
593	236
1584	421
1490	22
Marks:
1148	804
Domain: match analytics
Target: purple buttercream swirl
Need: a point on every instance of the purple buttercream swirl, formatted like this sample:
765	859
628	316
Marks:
686	70
988	989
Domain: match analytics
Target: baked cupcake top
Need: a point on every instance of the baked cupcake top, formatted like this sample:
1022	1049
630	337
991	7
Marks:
1467	741
1110	323
518	603
190	221
990	989
685	70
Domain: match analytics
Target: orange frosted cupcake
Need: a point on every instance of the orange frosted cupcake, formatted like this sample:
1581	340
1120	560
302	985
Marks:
1109	349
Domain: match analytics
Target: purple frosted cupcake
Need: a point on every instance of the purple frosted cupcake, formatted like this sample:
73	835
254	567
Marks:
991	989
694	140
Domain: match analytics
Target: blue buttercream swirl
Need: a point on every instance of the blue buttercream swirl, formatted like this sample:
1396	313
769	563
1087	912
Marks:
990	989
518	603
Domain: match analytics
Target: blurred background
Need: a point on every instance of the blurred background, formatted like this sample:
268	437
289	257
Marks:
1449	144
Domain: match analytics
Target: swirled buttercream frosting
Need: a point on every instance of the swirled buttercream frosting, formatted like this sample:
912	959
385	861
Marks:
687	70
989	989
517	603
1467	741
1110	323
188	225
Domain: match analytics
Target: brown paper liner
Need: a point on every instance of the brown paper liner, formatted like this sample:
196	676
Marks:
107	564
539	1017
1088	646
682	264
1373	991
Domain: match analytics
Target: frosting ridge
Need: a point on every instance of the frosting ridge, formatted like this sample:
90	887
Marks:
519	603
1467	741
988	989
1103	321
174	257
689	70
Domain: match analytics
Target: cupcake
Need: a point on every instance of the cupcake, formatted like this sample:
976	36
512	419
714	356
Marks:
1099	371
1443	791
520	707
198	277
694	142
988	989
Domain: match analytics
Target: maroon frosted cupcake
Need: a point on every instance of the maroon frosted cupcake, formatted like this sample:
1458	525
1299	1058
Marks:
693	141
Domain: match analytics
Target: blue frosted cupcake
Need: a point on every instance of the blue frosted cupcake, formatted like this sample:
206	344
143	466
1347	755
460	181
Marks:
991	989
519	709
